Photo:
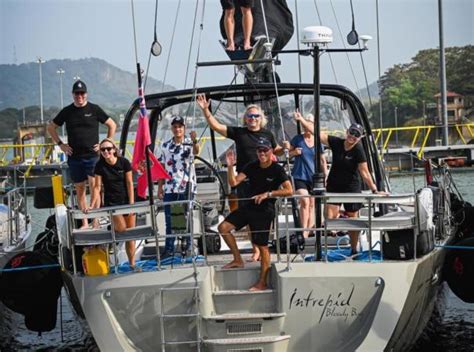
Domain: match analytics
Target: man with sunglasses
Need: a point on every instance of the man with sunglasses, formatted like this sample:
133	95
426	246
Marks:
349	164
267	179
82	120
245	139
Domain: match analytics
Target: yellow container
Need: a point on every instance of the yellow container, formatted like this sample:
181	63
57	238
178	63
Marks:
95	261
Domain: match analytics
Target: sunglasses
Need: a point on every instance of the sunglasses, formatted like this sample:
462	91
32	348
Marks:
262	150
79	93
252	116
106	149
355	133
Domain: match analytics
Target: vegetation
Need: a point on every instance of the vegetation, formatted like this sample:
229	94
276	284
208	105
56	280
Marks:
410	88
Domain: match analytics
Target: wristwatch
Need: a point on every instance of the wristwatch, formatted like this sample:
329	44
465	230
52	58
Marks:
60	142
374	191
269	194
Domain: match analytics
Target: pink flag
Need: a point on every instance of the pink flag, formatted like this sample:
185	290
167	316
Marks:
142	140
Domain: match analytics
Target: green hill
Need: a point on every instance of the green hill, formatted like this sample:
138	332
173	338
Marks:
108	85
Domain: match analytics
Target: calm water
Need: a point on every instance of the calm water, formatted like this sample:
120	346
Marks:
454	331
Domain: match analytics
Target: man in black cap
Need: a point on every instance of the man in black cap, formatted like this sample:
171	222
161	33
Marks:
82	126
349	163
177	155
267	179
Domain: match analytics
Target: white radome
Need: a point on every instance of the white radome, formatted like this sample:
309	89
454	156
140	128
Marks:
315	35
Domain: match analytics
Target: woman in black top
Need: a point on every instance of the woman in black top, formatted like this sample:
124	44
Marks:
114	172
349	163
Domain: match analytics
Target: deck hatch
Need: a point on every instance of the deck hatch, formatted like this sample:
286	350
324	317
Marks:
239	328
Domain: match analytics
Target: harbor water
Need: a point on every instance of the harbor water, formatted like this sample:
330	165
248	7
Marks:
451	331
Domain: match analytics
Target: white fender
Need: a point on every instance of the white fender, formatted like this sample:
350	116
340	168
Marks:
425	206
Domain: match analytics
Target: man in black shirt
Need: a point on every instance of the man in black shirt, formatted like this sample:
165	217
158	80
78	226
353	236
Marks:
349	162
267	180
245	138
82	126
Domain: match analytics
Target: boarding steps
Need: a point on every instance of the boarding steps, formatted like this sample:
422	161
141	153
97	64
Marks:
242	320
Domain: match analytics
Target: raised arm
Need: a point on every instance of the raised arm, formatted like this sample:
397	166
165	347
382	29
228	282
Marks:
211	120
323	136
232	178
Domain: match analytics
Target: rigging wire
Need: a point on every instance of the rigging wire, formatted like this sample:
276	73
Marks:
134	31
171	45
274	75
379	77
191	43
198	53
333	68
149	54
344	45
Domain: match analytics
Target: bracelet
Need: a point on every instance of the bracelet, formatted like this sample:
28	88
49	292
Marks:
59	143
374	191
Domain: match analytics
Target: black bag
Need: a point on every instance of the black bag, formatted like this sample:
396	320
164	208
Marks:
296	243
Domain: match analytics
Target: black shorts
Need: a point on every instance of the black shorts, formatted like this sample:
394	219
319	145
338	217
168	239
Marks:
259	221
231	4
350	207
301	184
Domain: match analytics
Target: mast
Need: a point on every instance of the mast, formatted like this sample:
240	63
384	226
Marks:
442	75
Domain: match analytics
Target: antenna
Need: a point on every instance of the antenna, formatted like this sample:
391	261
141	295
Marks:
316	35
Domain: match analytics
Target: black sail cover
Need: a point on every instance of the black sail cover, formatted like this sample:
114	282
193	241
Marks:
279	21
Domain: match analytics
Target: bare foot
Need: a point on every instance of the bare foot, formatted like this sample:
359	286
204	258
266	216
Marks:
247	47
230	47
233	264
84	227
258	287
254	258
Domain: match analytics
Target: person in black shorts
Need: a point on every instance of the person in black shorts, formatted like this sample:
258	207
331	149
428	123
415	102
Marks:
82	120
267	179
302	148
229	23
349	163
114	173
245	139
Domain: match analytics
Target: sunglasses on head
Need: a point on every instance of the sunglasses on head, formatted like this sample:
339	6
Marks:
252	116
262	150
355	133
108	149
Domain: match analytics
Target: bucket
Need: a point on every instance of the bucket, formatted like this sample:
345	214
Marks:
95	261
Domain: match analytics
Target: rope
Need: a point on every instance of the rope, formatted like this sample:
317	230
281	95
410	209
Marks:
171	45
191	43
24	268
454	247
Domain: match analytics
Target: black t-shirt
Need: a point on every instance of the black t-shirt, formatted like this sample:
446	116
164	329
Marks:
344	175
82	126
246	142
114	181
264	180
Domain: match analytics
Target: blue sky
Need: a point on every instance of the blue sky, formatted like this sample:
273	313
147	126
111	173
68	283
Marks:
57	29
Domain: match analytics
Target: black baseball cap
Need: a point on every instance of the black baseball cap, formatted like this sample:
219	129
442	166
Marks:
79	86
178	119
264	143
355	127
